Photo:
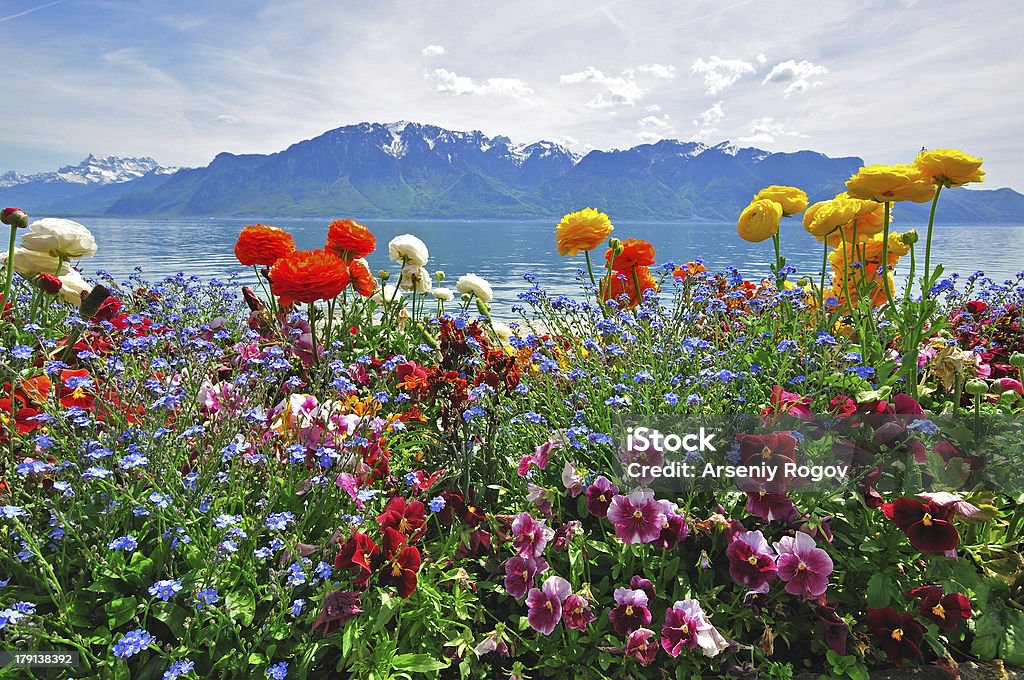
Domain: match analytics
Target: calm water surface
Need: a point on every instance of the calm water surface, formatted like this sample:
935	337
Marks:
502	251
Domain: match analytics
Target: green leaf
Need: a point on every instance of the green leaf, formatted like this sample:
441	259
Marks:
880	590
420	663
120	611
1012	647
172	616
241	605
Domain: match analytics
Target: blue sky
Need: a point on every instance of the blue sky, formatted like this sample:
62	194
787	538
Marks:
182	81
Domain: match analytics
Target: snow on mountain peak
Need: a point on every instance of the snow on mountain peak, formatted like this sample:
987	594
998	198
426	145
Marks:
92	170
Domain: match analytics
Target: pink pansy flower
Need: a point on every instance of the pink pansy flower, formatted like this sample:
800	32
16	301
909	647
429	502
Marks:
944	499
539	457
599	496
641	646
802	565
538	495
687	626
632	612
530	536
520	572
545	604
572	478
576	612
751	561
638	518
635	461
770	506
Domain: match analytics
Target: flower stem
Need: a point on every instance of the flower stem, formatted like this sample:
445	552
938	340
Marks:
928	246
9	273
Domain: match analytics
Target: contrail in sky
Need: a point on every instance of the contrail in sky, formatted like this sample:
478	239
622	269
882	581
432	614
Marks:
29	11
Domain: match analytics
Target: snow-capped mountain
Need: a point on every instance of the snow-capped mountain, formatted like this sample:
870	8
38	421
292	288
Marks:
411	170
94	171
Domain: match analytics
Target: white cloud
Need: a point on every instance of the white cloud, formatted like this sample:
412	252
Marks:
658	71
655	128
707	122
621	90
761	58
712	116
654	108
227	119
656	122
452	83
766	131
433	51
799	75
720	73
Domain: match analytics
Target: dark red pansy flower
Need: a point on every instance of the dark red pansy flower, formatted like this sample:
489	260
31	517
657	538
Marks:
946	611
360	553
339	607
899	635
401	563
406	517
836	630
927	525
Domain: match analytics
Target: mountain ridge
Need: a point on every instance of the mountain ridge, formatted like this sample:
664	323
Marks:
411	170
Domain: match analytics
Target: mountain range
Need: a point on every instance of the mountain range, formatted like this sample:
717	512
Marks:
408	170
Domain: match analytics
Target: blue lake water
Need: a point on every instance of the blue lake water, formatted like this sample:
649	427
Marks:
502	251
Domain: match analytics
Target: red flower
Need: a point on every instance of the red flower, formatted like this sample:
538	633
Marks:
927	525
632	284
405	517
308	276
899	635
49	283
350	240
361	553
401	562
947	611
77	388
362	278
635	253
259	244
774	450
339	607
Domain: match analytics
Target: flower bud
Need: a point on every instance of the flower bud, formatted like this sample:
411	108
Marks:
439	275
49	283
909	238
482	307
383	275
15	217
1017	360
976	386
616	246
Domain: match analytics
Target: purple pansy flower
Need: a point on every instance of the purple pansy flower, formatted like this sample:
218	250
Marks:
638	518
530	536
802	565
751	561
632	612
545	604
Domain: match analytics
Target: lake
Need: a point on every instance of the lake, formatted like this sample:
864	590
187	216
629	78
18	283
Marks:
502	251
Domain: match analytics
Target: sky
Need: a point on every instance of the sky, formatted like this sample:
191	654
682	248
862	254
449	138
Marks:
182	81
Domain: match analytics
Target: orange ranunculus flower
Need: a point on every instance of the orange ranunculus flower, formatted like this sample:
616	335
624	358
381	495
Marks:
350	240
362	278
791	199
624	283
862	280
581	231
308	276
759	221
888	183
259	244
869	251
636	252
950	167
689	269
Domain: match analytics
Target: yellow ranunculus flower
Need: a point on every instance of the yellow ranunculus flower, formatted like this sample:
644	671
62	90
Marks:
826	216
869	251
887	183
869	220
759	221
865	279
791	199
581	231
949	167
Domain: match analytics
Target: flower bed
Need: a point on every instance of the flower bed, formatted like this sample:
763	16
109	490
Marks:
358	474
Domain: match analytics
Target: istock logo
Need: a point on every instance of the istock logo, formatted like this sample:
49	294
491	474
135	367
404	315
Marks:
651	439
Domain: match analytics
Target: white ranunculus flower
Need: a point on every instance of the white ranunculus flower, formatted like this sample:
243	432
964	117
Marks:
502	330
74	287
386	295
409	250
443	294
475	285
59	238
416	279
31	262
